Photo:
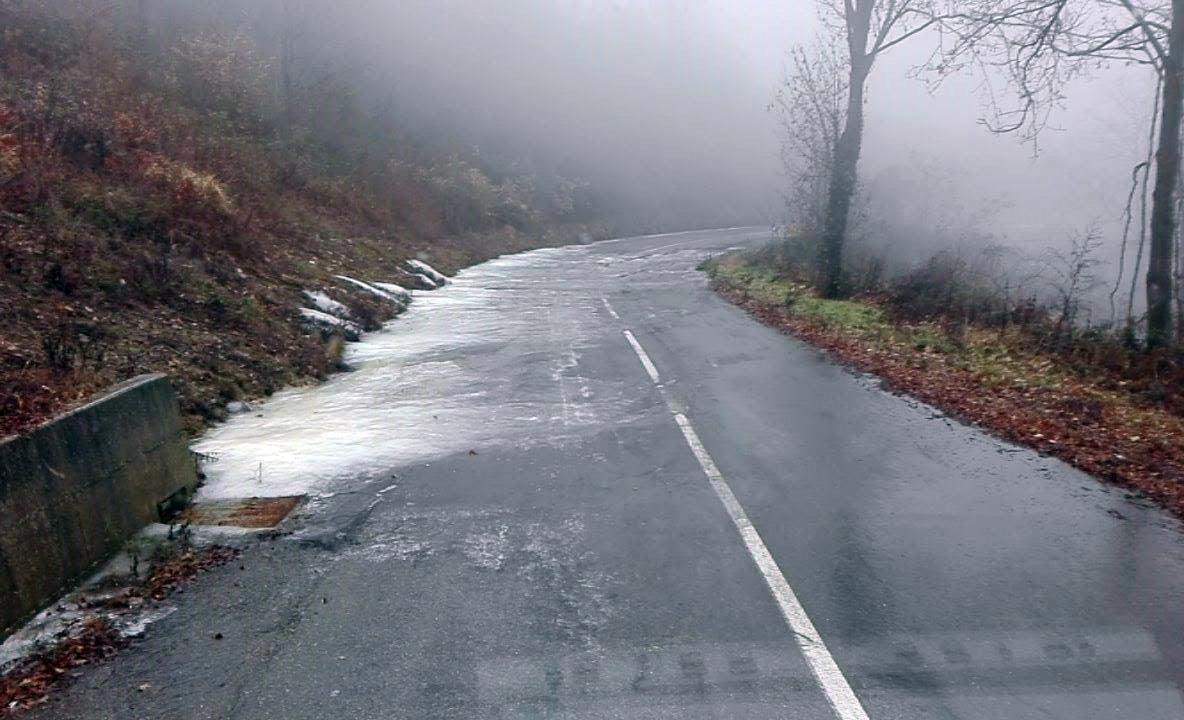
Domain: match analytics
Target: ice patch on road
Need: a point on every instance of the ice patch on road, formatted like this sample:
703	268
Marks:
488	550
495	358
490	360
394	546
553	559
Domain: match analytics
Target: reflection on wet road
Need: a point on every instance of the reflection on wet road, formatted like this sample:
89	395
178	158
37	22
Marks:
507	522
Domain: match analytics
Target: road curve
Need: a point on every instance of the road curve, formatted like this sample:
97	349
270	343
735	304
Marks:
579	485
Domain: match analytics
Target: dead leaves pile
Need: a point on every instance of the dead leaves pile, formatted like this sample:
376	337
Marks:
28	684
183	568
94	640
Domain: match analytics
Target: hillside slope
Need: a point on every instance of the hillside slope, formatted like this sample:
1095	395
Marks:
162	209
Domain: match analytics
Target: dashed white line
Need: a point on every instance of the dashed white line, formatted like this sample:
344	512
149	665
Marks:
834	684
609	307
645	359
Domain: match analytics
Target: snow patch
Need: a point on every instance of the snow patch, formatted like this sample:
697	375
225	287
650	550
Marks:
392	297
351	330
419	267
326	304
238	406
397	290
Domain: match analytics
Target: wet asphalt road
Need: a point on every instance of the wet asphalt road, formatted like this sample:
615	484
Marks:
580	565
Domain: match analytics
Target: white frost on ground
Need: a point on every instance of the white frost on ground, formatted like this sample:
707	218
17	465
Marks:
397	290
396	299
421	268
490	360
326	304
331	321
62	618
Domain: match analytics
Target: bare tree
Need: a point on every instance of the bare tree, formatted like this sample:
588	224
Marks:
1072	275
810	106
869	28
1039	45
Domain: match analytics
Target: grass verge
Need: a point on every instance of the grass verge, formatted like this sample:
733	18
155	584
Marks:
1090	416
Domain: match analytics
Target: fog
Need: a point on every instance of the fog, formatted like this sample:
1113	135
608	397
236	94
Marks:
929	161
663	105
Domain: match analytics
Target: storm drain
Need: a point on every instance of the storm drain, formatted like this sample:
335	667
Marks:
246	513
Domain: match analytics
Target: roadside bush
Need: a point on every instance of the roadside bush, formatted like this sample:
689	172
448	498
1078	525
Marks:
945	286
515	214
467	196
794	257
864	276
74	344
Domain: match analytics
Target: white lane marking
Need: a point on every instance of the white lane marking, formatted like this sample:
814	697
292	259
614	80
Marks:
645	359
609	307
834	684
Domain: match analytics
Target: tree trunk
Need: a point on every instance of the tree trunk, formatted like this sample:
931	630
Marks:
1179	290
1179	278
843	179
1167	169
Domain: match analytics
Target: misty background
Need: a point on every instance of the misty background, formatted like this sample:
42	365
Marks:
667	102
663	106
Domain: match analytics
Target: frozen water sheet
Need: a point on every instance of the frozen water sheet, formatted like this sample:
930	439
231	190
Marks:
474	364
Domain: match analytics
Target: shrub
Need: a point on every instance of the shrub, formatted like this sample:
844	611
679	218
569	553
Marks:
793	257
186	186
117	211
85	146
72	345
945	286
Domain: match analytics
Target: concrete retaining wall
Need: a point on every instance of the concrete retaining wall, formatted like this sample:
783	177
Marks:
75	489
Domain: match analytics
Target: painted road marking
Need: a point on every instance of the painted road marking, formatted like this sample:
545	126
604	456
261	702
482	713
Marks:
609	307
834	684
822	663
645	359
